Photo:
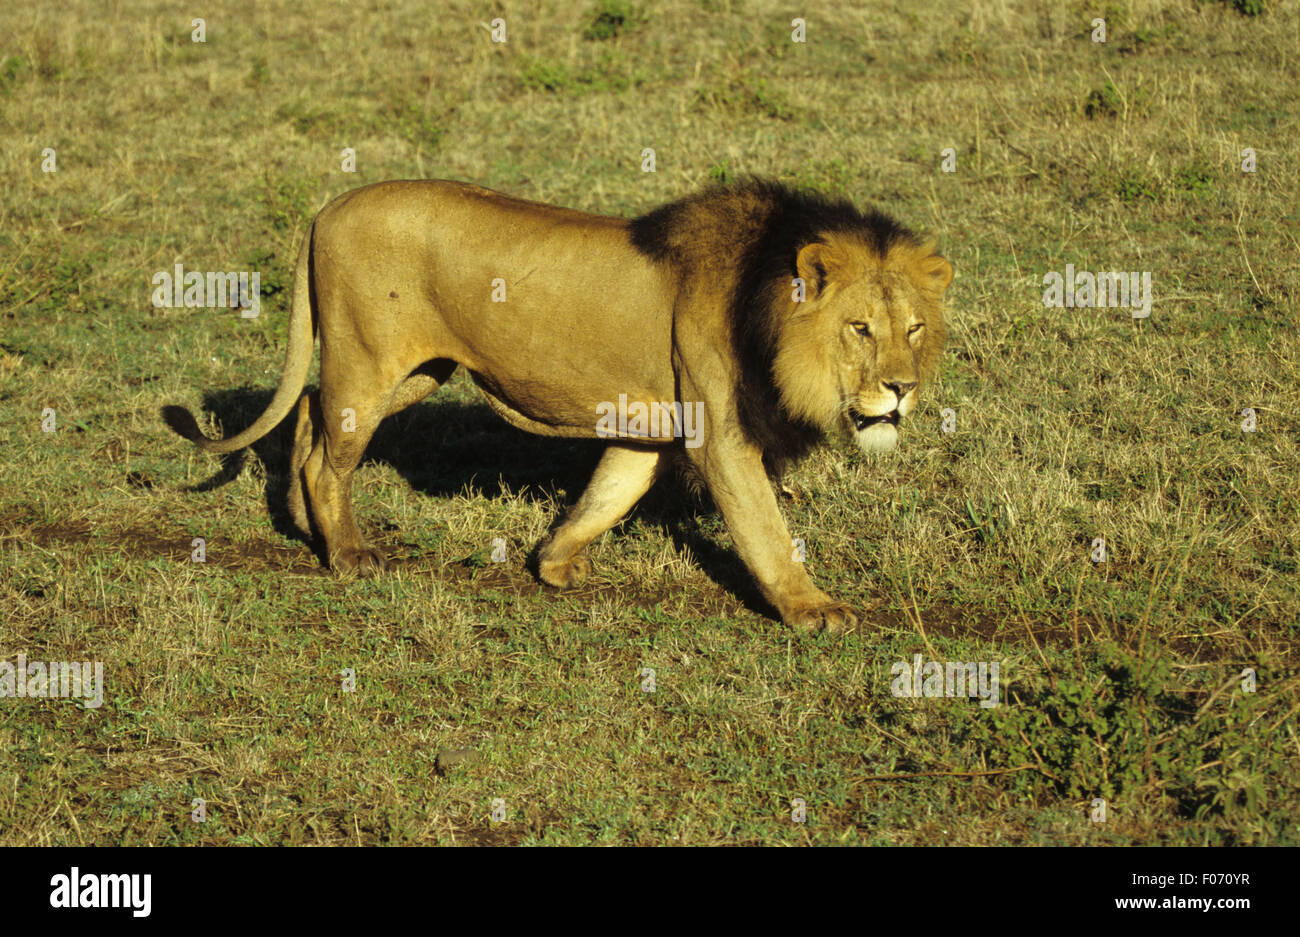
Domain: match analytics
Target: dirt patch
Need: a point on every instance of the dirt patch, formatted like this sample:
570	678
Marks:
702	600
949	621
706	600
262	556
139	541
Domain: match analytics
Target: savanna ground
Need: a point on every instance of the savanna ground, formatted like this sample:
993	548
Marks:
1121	679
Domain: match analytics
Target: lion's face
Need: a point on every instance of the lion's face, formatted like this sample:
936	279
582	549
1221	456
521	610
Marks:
853	355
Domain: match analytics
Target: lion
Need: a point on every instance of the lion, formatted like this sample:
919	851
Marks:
773	316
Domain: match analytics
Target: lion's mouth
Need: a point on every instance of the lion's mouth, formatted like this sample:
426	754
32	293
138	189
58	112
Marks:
861	421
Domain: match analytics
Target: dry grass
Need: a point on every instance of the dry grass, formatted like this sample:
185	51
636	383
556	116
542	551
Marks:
1071	424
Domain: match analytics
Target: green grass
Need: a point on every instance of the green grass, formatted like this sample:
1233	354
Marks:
1121	679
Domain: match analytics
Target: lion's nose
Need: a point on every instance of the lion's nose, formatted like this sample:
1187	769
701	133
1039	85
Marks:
901	388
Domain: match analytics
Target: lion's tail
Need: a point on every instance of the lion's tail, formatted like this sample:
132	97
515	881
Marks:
297	362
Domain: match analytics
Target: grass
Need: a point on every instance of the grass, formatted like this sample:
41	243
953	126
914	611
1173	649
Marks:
1122	679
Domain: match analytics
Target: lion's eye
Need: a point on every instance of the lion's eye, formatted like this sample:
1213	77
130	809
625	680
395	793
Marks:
916	328
861	328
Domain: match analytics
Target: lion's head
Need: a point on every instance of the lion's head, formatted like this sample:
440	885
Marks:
868	333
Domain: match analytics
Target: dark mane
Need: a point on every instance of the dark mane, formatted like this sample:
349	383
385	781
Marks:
753	230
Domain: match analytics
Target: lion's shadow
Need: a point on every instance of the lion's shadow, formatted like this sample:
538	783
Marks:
442	446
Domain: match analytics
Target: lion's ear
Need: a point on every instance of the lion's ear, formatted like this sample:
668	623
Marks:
814	263
931	270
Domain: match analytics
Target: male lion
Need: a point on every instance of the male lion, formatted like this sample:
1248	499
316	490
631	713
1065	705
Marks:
786	315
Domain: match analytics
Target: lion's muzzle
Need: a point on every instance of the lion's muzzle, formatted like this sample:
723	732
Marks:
877	433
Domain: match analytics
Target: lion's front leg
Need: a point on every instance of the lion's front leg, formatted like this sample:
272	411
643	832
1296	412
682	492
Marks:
622	476
733	471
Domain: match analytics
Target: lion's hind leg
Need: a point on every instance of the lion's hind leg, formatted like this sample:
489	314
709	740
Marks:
308	456
306	436
622	476
343	416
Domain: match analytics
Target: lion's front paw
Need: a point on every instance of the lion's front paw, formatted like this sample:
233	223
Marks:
357	561
834	617
565	574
